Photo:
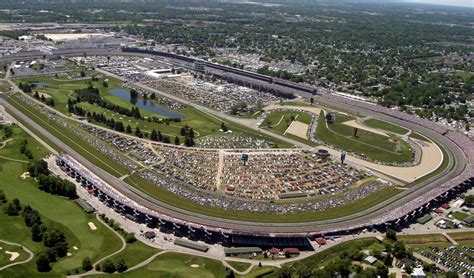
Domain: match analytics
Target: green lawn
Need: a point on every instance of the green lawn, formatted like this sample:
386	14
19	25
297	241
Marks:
422	239
462	236
366	143
178	265
174	200
386	126
4	86
258	272
330	254
239	266
135	253
56	212
460	215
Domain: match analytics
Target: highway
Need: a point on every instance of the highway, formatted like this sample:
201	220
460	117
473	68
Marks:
373	215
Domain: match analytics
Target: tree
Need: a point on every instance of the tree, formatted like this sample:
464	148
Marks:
469	200
388	260
121	266
11	210
42	263
138	133
382	271
176	140
108	266
408	269
451	274
223	127
3	198
153	135
87	264
39	167
130	238
52	254
391	234
37	232
17	204
399	249
128	129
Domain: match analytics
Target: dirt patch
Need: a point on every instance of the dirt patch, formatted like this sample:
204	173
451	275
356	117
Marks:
298	129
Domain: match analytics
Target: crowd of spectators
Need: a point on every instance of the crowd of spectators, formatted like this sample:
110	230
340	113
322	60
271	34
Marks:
232	142
268	176
224	201
194	167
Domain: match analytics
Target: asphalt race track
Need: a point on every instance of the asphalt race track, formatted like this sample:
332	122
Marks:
378	214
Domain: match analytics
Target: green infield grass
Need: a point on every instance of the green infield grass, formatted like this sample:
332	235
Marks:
386	126
371	145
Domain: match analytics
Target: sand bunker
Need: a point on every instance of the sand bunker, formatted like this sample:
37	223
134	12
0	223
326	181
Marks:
75	248
92	226
25	175
299	129
69	254
194	265
13	255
